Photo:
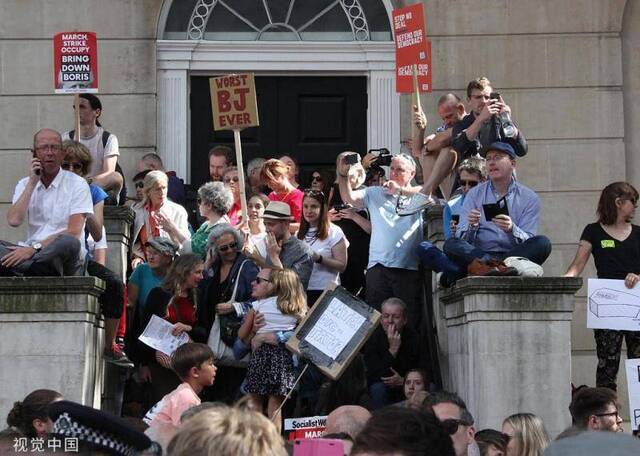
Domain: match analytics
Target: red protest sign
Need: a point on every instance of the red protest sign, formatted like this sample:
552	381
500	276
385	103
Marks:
412	48
233	99
75	62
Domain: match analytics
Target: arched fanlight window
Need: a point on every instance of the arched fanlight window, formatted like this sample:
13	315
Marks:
278	20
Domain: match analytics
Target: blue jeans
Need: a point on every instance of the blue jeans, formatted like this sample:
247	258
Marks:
536	249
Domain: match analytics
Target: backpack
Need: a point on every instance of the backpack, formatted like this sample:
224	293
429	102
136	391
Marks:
122	198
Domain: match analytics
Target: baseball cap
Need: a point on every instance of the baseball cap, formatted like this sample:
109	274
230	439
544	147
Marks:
501	147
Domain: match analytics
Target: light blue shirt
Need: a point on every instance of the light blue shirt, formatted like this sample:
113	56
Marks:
524	209
394	239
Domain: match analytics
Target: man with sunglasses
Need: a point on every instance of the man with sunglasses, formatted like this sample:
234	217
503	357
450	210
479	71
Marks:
456	420
481	244
471	172
55	204
596	409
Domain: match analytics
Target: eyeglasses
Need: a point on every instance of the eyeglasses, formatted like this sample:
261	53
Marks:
45	147
468	183
615	414
139	184
259	280
224	248
228	180
451	425
75	166
316	178
495	158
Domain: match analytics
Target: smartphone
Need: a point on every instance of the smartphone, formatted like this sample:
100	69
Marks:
456	218
318	447
351	159
497	208
35	156
494	96
341	206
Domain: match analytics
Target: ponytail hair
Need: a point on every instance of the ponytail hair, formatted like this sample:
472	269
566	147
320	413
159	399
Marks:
34	406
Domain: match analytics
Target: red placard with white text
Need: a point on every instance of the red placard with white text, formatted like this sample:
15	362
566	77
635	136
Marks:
75	62
412	48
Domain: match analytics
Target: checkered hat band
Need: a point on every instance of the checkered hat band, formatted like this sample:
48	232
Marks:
67	427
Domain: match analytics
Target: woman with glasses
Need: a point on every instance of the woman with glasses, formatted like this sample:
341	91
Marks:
176	301
527	435
327	242
157	216
214	202
614	243
229	280
232	180
320	181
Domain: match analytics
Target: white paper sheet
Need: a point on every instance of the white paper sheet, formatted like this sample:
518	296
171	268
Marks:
335	328
611	305
633	383
158	335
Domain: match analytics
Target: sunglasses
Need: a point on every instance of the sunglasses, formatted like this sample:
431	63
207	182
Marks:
76	166
139	184
224	248
259	280
451	425
228	180
466	183
316	178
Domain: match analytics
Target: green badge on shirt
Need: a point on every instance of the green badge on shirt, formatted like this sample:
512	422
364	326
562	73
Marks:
608	244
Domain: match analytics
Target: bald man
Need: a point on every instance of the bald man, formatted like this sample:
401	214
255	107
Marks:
54	203
349	419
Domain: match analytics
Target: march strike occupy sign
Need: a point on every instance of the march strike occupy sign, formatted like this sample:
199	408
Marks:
412	48
75	62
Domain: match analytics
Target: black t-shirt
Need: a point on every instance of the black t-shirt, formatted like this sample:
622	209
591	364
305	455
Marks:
614	259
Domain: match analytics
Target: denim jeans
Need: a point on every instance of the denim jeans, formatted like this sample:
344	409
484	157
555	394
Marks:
536	249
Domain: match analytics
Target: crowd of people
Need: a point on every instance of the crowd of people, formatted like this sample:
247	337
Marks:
238	286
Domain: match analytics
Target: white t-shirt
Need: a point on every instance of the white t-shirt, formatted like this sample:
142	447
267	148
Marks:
97	151
273	318
321	276
259	241
50	208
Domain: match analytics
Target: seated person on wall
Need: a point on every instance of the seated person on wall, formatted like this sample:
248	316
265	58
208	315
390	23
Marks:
615	244
153	162
596	409
55	204
392	350
489	122
451	110
480	242
157	216
392	270
102	145
471	172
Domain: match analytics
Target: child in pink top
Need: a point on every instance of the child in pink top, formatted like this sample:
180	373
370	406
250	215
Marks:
194	365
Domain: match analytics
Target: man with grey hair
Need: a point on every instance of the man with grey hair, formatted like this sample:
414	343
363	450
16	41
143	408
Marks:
55	204
392	270
253	177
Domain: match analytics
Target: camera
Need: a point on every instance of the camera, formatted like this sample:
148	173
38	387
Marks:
384	156
352	159
341	206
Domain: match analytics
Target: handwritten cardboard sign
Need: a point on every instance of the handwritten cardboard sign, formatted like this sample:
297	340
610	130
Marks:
334	331
412	48
233	100
75	62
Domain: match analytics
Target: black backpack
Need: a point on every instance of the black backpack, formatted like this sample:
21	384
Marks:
123	193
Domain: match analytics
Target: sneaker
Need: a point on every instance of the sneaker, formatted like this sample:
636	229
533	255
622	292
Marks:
490	268
117	357
415	204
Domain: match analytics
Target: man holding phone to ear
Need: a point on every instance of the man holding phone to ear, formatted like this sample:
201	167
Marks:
54	203
499	219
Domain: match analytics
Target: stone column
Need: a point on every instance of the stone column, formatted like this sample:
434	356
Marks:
509	347
51	336
117	222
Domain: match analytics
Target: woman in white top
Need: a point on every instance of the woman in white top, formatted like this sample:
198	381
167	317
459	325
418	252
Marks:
327	241
255	232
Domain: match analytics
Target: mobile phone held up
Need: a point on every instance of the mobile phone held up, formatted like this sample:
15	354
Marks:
352	159
494	96
384	156
34	156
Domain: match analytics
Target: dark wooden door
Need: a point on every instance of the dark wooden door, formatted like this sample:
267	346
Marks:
310	118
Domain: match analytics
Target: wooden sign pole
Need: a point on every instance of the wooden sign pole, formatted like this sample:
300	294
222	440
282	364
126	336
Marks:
76	105
276	414
243	193
415	100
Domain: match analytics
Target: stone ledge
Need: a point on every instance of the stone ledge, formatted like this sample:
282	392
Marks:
49	294
511	285
117	222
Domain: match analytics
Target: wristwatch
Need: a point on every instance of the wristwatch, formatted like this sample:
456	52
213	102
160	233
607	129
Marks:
36	246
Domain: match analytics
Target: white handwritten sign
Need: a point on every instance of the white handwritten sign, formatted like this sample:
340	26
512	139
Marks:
335	328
